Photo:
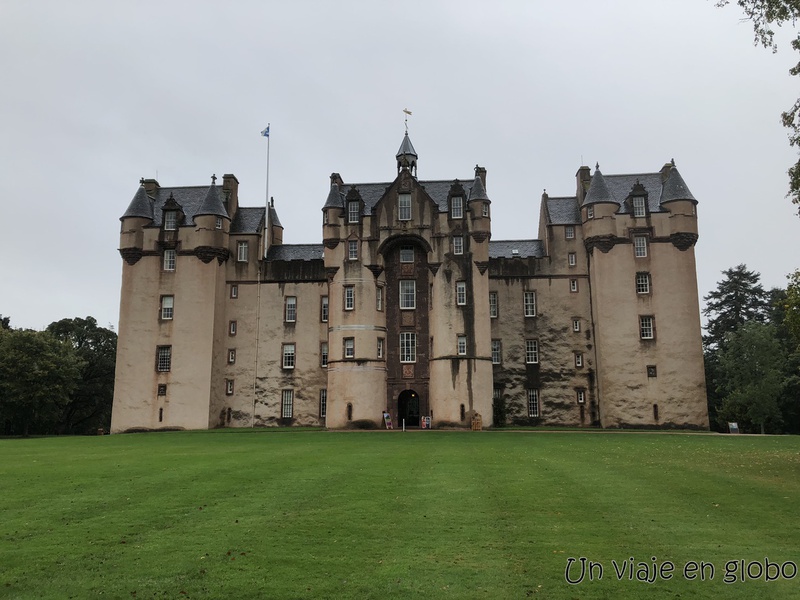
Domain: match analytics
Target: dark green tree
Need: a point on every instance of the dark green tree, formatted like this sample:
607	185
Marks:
752	368
89	405
764	15
738	299
5	322
37	375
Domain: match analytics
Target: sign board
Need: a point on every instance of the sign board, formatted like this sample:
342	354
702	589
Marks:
733	427
387	419
425	422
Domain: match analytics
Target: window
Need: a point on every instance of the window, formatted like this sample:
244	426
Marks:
169	259
170	220
485	209
457	207
493	305
569	232
352	250
218	224
408	294
163	359
461	293
530	304
458	244
323	309
643	283
323	354
349	297
288	356
379	298
590	212
404	207
461	345
578	360
652	371
531	352
232	328
234	291
323	403
380	347
573	285
406	254
353	211
242	251
497	352
162	389
408	347
576	325
533	403
290	310
349	348
229	387
287	404
647	328
572	258
581	394
640	246
639	209
167	304
231	356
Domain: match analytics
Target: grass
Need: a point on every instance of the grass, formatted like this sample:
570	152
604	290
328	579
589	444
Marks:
285	514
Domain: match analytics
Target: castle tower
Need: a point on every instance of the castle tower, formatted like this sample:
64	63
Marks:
640	232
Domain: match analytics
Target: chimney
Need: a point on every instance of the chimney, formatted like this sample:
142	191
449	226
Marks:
665	170
481	172
230	193
337	179
584	178
151	187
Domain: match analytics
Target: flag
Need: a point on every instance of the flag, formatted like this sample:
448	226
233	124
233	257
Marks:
265	133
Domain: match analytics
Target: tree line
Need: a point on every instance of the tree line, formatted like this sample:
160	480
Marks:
752	354
56	381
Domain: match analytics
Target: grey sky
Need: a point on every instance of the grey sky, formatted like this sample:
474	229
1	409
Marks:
96	95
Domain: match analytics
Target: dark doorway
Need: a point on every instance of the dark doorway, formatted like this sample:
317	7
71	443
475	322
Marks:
408	408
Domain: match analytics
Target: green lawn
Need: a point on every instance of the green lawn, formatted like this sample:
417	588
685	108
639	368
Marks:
426	514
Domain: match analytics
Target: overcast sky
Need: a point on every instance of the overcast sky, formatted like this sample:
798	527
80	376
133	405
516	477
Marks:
97	94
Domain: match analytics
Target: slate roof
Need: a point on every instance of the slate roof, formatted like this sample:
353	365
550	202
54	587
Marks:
478	192
525	248
563	211
407	148
371	193
248	220
618	187
296	252
193	202
273	217
212	204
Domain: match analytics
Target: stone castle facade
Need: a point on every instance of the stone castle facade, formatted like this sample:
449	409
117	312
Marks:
408	306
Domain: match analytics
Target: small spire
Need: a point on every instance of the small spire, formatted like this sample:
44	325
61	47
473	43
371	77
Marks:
214	179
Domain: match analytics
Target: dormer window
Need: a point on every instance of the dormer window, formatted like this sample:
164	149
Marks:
457	207
353	211
170	220
639	207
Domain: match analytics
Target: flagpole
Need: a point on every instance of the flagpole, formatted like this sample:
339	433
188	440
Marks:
264	133
268	231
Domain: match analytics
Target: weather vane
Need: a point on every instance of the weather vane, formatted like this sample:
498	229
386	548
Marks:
408	113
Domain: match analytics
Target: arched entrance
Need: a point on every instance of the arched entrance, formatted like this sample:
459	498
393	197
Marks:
408	408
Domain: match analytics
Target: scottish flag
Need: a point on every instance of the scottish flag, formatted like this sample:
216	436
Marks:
265	133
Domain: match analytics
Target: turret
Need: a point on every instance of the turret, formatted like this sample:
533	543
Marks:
407	156
138	215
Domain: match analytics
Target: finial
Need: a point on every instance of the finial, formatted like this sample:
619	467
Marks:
597	166
141	181
408	113
672	162
272	202
214	179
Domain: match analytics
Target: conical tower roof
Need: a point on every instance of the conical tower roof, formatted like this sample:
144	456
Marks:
598	190
140	206
675	187
212	204
478	192
334	198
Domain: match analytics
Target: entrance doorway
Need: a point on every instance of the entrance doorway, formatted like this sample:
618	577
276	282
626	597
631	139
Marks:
408	408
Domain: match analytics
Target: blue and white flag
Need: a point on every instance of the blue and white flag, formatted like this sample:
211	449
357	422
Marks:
265	133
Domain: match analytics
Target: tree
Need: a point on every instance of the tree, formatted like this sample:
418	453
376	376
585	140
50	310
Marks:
738	299
791	307
5	322
37	375
764	14
752	365
89	404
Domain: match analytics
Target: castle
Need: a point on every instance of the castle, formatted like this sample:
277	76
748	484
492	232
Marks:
409	307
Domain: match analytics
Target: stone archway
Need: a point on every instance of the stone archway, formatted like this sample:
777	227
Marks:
408	408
